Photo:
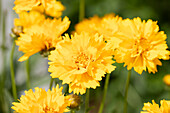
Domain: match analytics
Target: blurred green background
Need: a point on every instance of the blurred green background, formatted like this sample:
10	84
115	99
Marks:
143	88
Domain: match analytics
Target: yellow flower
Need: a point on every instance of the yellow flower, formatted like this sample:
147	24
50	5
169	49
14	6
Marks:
42	37
142	45
28	19
106	26
49	7
81	61
25	5
40	101
154	108
166	79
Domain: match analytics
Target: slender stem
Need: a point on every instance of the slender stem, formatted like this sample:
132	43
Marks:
66	92
126	91
104	93
87	101
4	56
3	47
28	74
51	83
56	81
82	10
14	91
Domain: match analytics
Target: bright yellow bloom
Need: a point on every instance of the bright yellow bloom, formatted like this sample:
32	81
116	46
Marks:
166	79
154	108
28	19
40	101
106	26
81	61
142	45
49	7
42	37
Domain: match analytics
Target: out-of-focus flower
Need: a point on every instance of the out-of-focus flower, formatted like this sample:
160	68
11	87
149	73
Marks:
154	108
107	26
49	7
166	79
25	5
28	19
142	45
40	101
81	61
43	37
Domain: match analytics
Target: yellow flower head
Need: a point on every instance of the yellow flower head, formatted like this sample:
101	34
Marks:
81	61
106	26
42	37
49	7
28	19
142	45
40	101
154	108
166	79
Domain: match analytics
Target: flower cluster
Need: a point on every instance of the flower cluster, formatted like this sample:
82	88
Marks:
40	34
82	59
139	44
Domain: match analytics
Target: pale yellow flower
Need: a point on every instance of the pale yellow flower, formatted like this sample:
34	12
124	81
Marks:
142	45
40	101
49	7
81	61
154	108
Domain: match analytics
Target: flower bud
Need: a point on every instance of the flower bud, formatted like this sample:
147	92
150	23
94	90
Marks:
17	30
75	101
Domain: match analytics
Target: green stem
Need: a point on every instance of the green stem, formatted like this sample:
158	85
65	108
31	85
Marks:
66	89
126	91
87	101
82	10
104	93
28	74
3	47
51	83
3	103
14	91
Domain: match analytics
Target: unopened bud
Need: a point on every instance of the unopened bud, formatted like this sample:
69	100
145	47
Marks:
75	101
17	30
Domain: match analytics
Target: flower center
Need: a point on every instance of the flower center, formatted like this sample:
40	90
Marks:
48	110
140	46
82	61
144	44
